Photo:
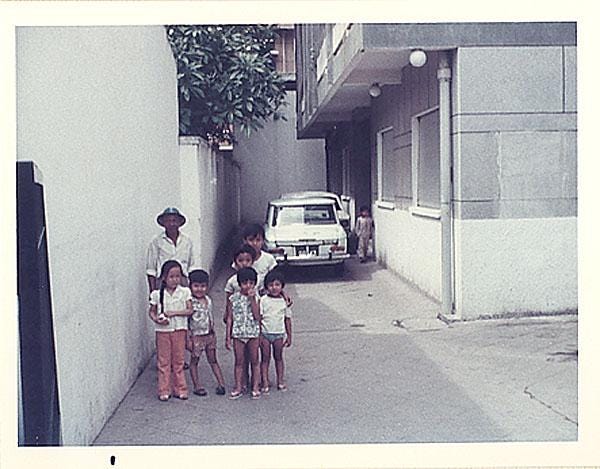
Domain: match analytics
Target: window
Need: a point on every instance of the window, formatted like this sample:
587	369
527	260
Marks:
426	162
283	51
387	173
307	214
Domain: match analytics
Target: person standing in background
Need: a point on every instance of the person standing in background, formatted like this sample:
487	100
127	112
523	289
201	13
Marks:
364	231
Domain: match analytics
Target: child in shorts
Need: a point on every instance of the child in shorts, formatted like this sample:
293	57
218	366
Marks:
276	329
202	333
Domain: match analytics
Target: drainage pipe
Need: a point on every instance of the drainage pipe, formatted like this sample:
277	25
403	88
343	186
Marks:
444	75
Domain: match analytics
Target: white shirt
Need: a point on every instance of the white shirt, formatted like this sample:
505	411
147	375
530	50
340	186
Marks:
172	302
273	312
162	249
232	284
263	265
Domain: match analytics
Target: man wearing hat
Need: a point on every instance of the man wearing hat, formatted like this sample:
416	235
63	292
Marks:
169	245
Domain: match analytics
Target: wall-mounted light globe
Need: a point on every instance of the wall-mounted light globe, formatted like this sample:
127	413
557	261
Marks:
417	58
374	90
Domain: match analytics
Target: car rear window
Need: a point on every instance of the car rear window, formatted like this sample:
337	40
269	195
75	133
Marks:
304	214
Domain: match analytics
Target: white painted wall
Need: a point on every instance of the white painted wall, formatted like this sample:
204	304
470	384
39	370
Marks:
210	197
410	246
97	112
516	266
273	161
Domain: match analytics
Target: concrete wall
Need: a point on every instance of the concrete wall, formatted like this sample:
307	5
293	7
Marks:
515	180
515	149
349	144
407	244
97	112
273	161
210	198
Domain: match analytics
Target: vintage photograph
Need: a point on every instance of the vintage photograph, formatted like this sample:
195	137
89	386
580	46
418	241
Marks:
300	233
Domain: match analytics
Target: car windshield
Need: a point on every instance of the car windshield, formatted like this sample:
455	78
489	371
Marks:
302	195
304	214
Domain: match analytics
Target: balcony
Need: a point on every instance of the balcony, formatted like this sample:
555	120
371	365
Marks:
337	63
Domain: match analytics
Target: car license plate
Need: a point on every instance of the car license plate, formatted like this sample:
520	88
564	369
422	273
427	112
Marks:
307	251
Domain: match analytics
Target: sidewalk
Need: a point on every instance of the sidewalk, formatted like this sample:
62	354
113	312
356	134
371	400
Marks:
371	363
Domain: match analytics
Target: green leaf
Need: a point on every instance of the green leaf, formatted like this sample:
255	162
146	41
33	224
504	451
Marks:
226	74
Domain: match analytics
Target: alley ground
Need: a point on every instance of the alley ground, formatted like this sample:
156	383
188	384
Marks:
370	363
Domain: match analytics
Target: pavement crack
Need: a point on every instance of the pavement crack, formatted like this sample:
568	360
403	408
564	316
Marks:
548	406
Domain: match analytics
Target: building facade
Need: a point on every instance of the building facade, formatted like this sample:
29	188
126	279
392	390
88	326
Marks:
272	160
463	139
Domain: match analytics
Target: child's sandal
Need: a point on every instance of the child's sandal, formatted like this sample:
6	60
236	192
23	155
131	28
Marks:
235	395
255	395
164	398
282	387
200	392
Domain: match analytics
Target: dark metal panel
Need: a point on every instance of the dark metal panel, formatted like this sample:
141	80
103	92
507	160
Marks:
40	406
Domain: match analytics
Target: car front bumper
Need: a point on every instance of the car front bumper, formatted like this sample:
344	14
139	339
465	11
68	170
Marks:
330	259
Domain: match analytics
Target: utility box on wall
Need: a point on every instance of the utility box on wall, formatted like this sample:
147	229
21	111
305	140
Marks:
39	413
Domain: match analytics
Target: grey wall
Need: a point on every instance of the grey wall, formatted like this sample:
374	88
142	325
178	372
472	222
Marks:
354	137
395	107
97	112
515	132
273	161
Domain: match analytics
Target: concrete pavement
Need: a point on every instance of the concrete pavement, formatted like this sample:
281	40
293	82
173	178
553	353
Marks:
371	363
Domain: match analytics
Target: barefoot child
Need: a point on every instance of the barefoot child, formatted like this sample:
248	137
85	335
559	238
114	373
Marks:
276	330
202	332
243	330
169	308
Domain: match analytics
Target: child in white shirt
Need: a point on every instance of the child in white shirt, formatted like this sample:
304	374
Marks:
169	308
276	329
254	235
364	231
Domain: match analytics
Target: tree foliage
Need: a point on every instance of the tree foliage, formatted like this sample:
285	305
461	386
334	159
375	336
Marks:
226	78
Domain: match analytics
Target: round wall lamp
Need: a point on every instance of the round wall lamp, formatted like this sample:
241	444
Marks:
417	58
374	90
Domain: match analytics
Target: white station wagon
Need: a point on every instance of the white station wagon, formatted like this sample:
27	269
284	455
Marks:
305	231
